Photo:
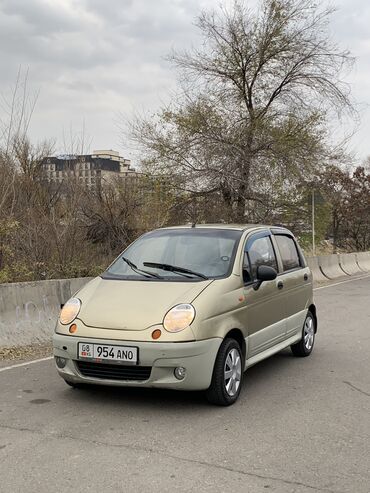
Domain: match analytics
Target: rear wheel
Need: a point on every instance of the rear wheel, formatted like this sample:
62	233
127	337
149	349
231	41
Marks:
305	346
227	374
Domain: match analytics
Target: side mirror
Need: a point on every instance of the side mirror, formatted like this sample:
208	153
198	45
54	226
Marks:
264	273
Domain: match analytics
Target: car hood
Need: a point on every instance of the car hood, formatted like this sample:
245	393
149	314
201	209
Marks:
133	305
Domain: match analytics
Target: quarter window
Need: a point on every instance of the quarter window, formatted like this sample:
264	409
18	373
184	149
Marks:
260	252
288	252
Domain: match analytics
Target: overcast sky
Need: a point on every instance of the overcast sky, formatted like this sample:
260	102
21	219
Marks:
92	60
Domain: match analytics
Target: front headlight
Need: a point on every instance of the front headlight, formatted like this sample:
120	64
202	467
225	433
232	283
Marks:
179	317
70	311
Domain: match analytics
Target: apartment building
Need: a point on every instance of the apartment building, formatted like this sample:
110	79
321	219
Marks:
92	170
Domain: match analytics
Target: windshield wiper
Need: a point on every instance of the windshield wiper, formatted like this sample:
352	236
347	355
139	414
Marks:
174	268
136	269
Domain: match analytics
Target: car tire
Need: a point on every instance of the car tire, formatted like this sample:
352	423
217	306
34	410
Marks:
224	391
305	346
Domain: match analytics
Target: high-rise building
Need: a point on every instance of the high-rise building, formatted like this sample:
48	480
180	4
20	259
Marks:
92	170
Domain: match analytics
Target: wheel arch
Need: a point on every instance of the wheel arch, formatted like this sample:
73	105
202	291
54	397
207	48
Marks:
312	309
238	335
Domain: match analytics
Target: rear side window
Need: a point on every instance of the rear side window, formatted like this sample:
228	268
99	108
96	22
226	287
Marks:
288	252
260	252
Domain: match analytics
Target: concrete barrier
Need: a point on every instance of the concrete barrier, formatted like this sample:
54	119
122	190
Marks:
28	310
329	265
348	263
363	261
317	274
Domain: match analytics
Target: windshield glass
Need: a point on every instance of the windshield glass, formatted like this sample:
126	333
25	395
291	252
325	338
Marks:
205	252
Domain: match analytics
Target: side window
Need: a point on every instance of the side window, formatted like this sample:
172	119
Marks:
288	252
259	252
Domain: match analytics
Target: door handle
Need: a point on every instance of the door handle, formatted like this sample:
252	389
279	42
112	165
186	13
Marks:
280	285
305	277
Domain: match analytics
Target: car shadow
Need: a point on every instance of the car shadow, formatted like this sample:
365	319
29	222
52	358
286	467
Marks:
259	375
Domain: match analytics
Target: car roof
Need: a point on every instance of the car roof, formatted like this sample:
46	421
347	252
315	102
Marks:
238	227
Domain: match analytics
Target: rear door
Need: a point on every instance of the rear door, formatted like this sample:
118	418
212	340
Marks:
264	309
296	281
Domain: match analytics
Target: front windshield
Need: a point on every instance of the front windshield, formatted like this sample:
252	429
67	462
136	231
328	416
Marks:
205	252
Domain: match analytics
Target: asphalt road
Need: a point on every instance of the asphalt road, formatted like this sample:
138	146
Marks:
301	425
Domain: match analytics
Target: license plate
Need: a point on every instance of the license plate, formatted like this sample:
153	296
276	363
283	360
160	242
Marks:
105	352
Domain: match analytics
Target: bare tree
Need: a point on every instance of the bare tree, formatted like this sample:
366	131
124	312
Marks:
254	103
348	194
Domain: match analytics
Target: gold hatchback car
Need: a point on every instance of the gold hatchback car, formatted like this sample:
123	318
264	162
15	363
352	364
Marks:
189	308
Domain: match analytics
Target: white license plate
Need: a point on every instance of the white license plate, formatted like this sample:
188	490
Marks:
105	352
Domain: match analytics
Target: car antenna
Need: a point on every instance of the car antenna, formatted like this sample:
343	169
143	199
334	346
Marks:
193	225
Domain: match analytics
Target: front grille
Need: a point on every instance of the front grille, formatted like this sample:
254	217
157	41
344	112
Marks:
113	372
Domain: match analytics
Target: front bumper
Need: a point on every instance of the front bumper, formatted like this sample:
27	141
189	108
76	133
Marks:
197	357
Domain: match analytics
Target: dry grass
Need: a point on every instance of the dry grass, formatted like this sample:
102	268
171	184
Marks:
33	351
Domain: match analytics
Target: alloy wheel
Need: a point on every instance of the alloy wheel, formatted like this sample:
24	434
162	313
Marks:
309	333
232	372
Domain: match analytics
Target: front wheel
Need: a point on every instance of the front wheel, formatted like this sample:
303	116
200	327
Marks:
305	346
227	374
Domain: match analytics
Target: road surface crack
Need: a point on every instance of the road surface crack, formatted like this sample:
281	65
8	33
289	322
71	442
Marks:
177	458
356	388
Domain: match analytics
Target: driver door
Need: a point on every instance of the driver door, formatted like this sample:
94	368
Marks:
264	311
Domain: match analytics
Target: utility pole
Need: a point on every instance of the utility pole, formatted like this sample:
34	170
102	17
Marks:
313	222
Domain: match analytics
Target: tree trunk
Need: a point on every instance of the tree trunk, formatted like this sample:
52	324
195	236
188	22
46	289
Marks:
244	186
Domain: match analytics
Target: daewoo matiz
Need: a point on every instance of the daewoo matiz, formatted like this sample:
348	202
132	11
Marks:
189	308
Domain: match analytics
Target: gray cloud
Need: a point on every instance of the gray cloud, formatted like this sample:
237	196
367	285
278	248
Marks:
92	59
42	16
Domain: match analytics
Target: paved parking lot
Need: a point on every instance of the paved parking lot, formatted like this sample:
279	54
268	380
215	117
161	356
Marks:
301	425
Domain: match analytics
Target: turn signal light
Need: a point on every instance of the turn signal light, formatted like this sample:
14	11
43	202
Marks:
72	328
156	334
